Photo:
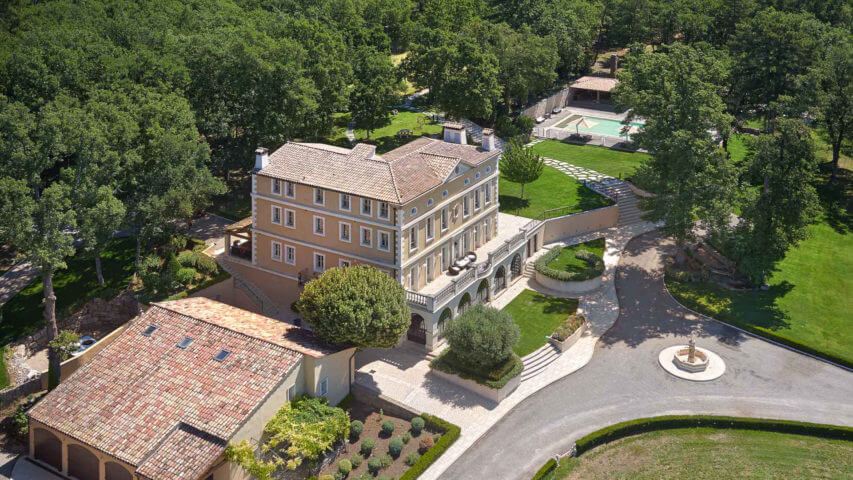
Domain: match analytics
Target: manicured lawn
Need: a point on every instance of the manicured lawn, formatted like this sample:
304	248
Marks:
552	190
385	138
74	286
603	160
737	147
567	261
809	299
4	371
710	453
537	315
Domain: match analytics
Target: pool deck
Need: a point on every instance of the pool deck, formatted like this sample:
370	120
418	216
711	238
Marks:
561	133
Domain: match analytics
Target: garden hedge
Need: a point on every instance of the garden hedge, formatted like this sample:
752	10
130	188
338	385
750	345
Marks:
642	425
449	434
546	469
594	262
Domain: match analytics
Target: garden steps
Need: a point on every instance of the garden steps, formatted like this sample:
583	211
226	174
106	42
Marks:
268	307
536	362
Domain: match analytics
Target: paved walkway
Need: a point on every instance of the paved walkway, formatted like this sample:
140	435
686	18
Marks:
15	279
574	171
624	381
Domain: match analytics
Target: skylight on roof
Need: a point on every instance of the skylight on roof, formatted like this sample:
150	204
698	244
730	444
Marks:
222	355
185	342
149	330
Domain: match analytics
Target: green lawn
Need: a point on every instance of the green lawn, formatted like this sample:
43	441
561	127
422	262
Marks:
552	190
73	286
537	315
385	138
4	370
567	261
737	147
708	453
809	299
603	160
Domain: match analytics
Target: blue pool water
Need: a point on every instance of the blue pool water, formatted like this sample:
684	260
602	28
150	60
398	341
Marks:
597	125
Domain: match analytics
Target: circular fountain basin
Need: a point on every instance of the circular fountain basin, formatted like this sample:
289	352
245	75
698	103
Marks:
705	366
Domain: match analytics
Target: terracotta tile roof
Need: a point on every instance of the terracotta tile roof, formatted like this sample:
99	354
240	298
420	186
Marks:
598	84
396	177
134	393
252	324
186	453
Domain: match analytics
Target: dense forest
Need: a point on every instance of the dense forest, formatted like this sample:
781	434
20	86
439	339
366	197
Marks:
125	114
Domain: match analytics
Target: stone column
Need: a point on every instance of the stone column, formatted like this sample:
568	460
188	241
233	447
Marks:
64	457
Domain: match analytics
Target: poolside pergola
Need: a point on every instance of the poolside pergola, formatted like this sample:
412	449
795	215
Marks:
592	88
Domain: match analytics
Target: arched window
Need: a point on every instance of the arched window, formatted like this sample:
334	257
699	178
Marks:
445	317
500	279
417	330
464	303
483	291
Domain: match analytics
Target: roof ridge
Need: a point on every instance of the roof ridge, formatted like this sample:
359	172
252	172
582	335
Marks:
312	147
160	305
394	183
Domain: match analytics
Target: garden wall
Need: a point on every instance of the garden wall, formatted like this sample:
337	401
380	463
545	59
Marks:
74	363
388	405
492	394
582	286
578	223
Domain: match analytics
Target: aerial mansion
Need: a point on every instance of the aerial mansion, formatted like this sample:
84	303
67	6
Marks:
426	213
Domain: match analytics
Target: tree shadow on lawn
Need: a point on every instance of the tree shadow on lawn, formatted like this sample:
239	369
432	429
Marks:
588	199
836	202
553	304
647	312
512	204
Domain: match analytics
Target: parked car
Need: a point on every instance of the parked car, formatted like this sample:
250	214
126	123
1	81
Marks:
557	110
540	119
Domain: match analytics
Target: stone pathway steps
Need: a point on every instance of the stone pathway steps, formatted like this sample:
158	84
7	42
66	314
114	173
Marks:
268	307
476	133
536	362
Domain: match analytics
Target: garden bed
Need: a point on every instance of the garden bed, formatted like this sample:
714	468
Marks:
496	378
569	332
537	316
572	269
418	447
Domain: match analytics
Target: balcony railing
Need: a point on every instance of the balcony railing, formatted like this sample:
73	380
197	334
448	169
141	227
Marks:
474	272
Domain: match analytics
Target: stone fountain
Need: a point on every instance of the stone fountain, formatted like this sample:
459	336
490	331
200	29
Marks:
692	363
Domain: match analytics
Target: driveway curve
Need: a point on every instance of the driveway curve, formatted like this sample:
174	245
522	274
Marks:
624	381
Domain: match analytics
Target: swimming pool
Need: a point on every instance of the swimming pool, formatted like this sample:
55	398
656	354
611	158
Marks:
597	125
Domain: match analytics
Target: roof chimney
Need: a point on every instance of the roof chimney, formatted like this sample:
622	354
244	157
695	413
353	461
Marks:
614	64
262	158
455	133
488	139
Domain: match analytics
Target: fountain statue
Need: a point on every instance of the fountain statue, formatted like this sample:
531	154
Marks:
691	359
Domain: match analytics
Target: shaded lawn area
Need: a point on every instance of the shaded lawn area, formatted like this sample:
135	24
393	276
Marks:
603	160
738	148
552	190
385	138
233	205
537	315
74	286
567	261
712	453
4	371
809	299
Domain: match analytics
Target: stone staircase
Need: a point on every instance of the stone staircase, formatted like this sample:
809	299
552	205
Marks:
268	307
629	210
536	362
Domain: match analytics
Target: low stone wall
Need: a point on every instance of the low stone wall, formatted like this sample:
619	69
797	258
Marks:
573	338
482	390
583	286
578	223
74	363
373	398
11	394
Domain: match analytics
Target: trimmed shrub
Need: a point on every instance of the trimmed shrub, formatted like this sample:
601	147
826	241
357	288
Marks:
417	425
185	276
177	242
206	264
326	477
338	476
355	428
367	447
188	259
412	458
406	437
345	466
495	376
425	444
451	434
172	265
642	425
483	336
374	465
386	460
356	460
546	469
387	428
395	447
594	263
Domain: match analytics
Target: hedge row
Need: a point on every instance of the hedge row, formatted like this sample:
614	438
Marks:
595	264
449	434
642	425
546	469
221	276
495	378
761	332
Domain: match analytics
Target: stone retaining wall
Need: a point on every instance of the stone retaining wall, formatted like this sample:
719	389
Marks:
563	286
492	394
578	223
